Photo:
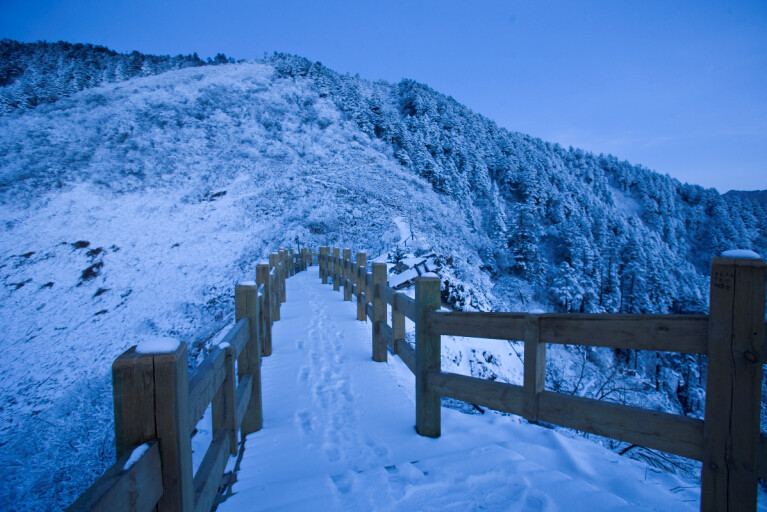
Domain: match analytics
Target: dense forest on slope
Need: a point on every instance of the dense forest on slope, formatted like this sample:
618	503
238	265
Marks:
170	187
590	232
35	73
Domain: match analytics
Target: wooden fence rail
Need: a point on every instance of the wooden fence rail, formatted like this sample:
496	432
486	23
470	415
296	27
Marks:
733	337
157	405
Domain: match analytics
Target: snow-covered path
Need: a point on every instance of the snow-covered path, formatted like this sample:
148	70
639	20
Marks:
338	435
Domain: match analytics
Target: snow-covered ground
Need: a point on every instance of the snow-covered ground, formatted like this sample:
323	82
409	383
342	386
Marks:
338	435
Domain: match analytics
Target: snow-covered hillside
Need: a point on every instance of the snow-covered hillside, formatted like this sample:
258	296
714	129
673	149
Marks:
131	209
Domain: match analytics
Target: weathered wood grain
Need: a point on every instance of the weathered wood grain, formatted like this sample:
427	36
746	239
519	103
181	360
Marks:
504	326
346	277
733	385
387	334
208	477
387	294
496	395
428	412
379	312
242	398
249	362
671	433
407	354
136	489
405	305
204	383
687	334
359	284
172	422
222	406
265	310
534	366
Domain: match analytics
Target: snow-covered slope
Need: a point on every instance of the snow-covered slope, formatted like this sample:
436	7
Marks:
131	209
171	189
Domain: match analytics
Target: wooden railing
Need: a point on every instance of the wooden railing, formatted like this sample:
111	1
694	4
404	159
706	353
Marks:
157	405
733	337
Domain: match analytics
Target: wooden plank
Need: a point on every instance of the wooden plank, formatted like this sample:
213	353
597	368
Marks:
369	311
204	383
387	294
208	477
119	490
687	334
387	335
658	430
237	336
733	384
500	396
407	354
222	406
405	305
244	390
369	280
428	412
173	429
379	312
503	326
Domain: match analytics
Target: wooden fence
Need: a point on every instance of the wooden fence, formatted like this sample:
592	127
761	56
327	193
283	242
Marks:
728	441
157	406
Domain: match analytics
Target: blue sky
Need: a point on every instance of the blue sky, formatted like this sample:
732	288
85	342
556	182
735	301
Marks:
678	87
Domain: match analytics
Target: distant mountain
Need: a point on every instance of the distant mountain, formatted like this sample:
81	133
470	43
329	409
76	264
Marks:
35	73
116	226
760	196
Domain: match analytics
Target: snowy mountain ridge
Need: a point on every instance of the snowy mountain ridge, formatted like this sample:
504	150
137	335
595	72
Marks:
130	209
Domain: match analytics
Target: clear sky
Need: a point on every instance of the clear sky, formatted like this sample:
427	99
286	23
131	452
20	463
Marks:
677	86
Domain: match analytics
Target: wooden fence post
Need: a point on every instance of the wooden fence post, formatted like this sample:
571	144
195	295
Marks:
379	312
323	262
336	271
733	385
347	274
249	362
535	367
223	404
283	273
427	358
292	265
274	286
303	258
265	314
310	257
361	270
397	326
151	401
